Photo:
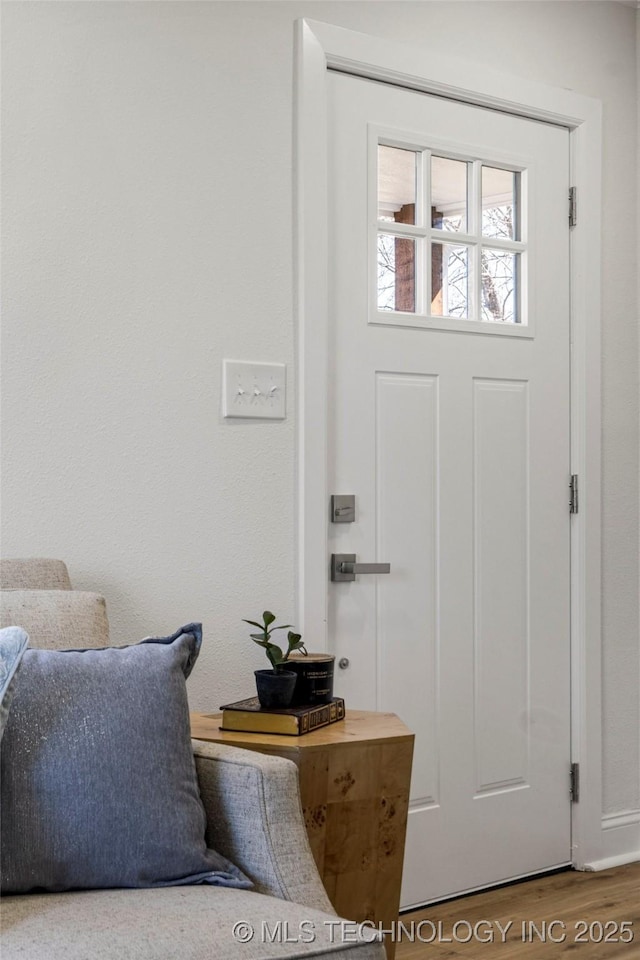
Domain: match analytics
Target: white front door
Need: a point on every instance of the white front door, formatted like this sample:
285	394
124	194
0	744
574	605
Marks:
449	422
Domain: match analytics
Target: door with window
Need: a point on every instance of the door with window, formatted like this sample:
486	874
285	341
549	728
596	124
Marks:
449	423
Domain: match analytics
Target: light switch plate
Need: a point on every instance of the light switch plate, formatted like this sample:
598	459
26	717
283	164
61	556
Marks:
253	390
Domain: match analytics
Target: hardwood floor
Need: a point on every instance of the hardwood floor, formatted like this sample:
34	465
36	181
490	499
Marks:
594	914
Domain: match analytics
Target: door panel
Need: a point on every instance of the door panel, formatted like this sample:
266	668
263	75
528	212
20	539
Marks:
501	582
407	524
449	421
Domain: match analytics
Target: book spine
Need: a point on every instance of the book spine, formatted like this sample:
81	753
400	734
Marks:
321	716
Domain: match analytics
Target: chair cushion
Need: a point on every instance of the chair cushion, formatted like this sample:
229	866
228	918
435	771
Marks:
189	923
99	784
36	573
57	619
13	643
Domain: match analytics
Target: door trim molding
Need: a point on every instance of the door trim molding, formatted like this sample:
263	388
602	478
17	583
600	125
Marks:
319	47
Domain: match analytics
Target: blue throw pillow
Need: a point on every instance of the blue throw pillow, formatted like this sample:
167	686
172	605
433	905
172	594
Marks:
99	786
13	643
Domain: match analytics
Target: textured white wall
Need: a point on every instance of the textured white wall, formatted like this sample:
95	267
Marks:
147	219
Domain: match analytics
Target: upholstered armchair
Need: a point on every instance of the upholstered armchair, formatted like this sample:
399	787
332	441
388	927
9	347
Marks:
254	819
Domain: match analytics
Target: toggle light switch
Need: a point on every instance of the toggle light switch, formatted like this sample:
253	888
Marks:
253	390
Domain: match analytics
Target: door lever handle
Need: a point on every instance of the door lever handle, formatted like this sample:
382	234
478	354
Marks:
344	567
365	567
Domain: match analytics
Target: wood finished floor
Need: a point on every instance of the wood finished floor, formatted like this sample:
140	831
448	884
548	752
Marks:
609	897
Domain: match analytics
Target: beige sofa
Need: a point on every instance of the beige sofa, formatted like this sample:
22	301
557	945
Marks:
254	819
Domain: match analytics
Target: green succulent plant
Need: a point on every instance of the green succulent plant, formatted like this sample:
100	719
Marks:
277	656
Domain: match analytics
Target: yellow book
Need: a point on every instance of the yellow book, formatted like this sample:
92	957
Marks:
248	716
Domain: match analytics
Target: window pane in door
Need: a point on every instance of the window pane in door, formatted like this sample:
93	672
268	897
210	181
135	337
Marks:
396	184
448	194
500	203
449	280
396	273
499	298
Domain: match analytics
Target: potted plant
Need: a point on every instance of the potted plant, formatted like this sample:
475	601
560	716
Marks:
275	687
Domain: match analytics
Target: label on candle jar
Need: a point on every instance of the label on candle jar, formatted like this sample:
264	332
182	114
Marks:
315	678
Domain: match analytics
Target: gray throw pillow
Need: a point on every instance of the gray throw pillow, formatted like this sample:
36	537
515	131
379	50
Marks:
13	643
99	785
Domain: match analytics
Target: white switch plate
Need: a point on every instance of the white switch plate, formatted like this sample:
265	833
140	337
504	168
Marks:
253	390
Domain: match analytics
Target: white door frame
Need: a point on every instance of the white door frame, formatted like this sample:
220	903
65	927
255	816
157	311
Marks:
319	47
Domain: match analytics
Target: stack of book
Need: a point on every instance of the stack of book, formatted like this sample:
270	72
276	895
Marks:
248	716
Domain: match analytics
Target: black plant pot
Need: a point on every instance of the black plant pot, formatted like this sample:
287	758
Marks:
275	689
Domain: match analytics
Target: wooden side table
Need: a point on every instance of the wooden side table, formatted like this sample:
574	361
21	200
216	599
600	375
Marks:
354	785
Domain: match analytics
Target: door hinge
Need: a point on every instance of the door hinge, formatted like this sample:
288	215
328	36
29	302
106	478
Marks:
573	207
573	493
574	788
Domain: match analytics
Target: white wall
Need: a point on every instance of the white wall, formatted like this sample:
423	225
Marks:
147	216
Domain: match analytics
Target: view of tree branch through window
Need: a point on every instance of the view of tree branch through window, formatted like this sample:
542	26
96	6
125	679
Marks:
449	237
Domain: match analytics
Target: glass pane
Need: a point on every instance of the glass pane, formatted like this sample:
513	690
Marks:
449	280
448	194
396	273
499	203
396	184
500	286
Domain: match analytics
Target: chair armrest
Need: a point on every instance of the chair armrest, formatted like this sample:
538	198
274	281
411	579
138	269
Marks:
254	818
